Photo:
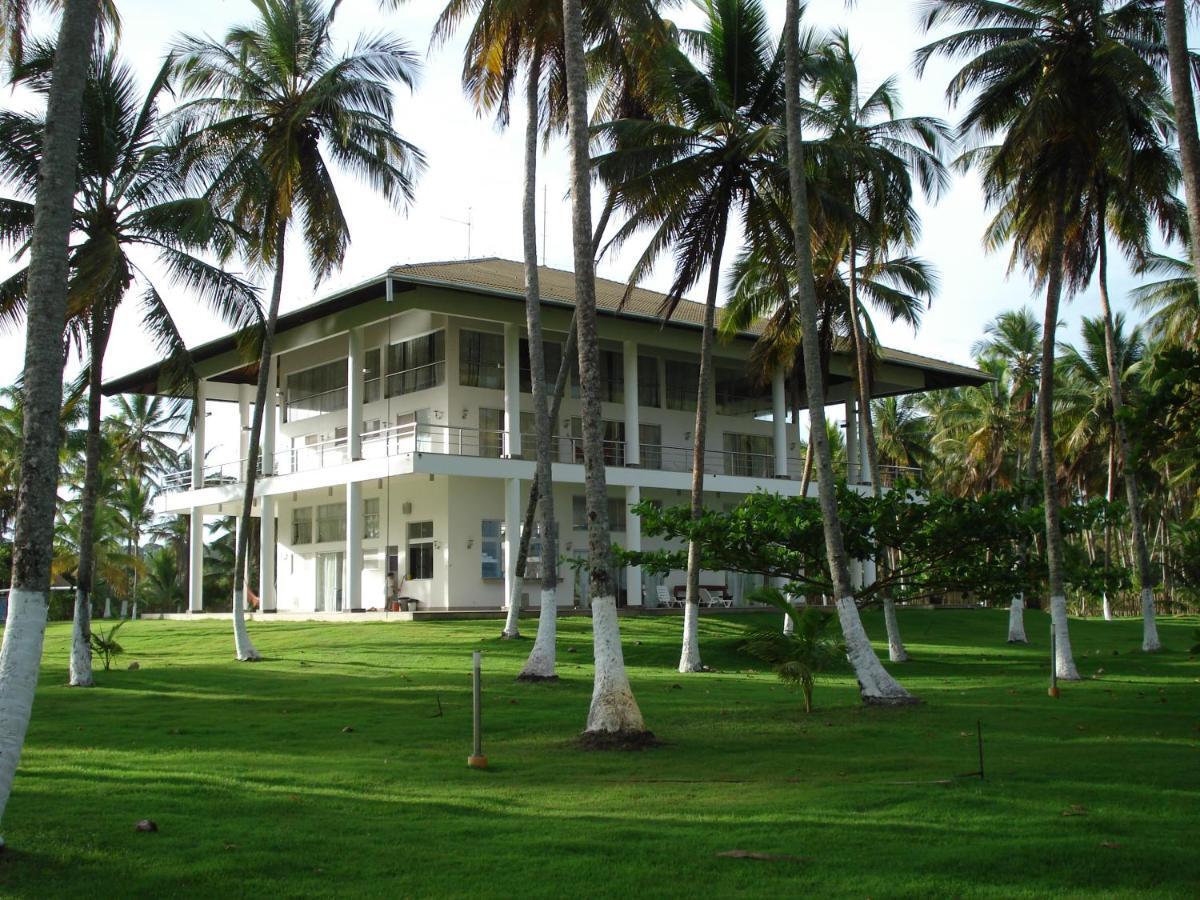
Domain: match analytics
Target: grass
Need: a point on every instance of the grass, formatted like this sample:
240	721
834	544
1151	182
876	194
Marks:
258	789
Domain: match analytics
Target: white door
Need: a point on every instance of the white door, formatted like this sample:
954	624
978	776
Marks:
329	582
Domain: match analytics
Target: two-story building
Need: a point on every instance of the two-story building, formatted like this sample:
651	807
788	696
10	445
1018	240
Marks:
397	448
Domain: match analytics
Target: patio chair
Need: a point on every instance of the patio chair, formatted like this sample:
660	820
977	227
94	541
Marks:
706	598
665	599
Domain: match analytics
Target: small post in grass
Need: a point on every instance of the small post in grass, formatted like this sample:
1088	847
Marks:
476	760
1053	661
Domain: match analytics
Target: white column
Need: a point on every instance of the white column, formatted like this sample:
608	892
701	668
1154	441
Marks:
196	562
201	415
266	557
354	394
779	422
512	535
633	441
851	442
270	421
352	595
633	540
512	391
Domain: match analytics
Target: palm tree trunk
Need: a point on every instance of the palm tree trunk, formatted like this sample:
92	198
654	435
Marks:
613	709
33	523
874	682
512	620
896	649
540	665
243	646
80	672
1064	662
1141	550
689	657
1180	67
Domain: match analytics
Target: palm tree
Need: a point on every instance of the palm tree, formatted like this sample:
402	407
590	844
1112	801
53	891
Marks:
1060	86
33	533
146	432
1173	303
875	684
130	199
613	711
1181	65
688	182
266	112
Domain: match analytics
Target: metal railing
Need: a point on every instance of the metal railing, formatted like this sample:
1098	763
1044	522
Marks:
453	440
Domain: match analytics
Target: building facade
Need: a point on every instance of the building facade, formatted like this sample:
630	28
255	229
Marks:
398	446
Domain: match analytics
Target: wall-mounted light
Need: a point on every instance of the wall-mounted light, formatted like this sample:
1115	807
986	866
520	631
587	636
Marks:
470	543
437	545
466	412
438	414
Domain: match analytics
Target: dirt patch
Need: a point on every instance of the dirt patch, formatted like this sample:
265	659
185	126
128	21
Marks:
533	679
617	740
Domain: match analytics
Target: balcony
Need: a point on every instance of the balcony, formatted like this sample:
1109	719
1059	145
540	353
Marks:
450	440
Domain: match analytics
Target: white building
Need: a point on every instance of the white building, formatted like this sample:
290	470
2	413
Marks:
398	436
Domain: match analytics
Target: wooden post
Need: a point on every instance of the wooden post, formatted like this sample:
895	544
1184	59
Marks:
476	760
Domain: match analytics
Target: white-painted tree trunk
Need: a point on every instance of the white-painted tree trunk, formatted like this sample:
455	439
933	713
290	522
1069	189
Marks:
1150	641
896	649
689	656
20	655
875	685
540	664
789	626
613	708
1016	620
108	607
243	647
1064	661
1106	606
81	648
512	621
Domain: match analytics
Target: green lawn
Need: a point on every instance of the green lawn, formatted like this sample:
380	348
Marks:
259	791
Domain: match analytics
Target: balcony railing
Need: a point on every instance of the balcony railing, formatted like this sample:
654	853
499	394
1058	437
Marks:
452	440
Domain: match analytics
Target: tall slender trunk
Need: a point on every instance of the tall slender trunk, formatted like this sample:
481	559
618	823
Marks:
540	664
613	709
1109	496
1064	662
1179	63
80	672
689	656
512	620
874	682
33	523
1141	550
896	649
243	646
789	626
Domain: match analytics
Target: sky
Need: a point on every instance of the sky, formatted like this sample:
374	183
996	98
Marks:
474	174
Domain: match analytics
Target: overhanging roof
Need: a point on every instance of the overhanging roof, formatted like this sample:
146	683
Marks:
506	278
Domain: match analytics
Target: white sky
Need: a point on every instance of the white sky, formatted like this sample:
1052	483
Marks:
475	170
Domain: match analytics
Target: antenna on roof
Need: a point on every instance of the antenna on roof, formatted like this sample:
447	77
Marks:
466	223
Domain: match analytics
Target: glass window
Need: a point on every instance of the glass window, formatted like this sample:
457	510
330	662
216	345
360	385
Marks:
683	384
371	517
650	445
616	514
302	525
416	364
331	522
420	549
648	381
314	391
739	394
491	432
612	377
481	359
529	437
491	548
614	441
553	353
372	382
751	455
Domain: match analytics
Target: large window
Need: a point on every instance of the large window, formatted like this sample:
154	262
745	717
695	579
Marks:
491	432
481	360
616	514
420	549
302	525
491	548
416	364
612	378
683	384
372	382
331	522
650	445
314	391
529	437
648	381
749	454
371	518
739	394
553	354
